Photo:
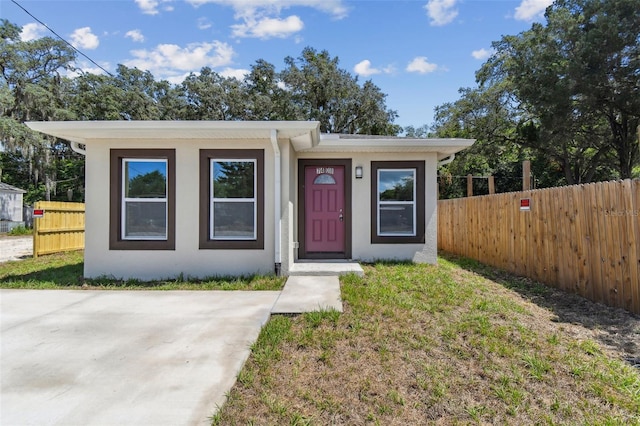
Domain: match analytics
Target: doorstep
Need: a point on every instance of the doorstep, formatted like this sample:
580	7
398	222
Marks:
325	267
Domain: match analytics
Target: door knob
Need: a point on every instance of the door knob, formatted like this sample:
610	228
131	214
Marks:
341	217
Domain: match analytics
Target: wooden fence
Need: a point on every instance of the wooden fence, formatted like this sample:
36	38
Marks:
583	239
61	227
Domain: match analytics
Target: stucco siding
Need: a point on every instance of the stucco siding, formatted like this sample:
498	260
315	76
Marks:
187	259
362	248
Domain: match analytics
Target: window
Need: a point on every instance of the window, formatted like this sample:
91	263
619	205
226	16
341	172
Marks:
142	199
231	199
397	202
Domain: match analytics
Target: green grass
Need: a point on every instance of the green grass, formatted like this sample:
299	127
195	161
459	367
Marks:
423	344
20	230
65	270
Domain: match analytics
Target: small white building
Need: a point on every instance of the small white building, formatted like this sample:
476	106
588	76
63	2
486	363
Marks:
211	198
11	203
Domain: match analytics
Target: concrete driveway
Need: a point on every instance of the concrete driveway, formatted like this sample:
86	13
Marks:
123	357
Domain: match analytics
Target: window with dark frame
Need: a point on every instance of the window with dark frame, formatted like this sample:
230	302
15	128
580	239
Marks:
142	199
231	199
397	202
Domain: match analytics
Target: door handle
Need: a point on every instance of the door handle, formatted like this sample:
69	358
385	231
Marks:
341	217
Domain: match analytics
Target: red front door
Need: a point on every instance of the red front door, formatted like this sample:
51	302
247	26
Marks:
324	209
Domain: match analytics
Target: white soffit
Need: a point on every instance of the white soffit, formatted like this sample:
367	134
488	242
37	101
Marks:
303	134
387	144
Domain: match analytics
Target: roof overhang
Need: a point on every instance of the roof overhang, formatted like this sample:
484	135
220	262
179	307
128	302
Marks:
302	134
381	144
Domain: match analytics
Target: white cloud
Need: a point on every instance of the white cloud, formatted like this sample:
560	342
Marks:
481	53
273	7
170	61
262	18
32	31
238	73
420	65
204	23
441	12
135	35
266	28
83	38
151	7
365	69
531	9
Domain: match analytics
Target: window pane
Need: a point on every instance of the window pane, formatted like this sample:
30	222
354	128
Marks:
145	179
233	179
396	219
324	179
233	220
146	220
395	185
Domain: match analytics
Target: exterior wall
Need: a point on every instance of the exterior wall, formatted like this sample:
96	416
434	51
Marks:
287	206
11	206
362	248
187	259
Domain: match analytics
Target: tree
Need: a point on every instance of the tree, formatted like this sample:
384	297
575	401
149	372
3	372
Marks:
210	96
34	88
321	91
577	78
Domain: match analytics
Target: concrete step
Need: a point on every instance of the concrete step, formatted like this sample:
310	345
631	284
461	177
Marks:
323	267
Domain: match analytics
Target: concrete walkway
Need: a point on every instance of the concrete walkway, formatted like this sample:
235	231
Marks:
309	294
74	357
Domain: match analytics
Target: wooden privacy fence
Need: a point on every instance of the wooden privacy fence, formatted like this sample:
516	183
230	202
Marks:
583	239
61	227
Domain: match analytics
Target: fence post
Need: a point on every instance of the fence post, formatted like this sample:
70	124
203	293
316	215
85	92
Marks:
36	226
526	175
469	185
492	185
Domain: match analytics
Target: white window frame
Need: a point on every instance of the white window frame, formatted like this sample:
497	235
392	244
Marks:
213	199
380	203
126	200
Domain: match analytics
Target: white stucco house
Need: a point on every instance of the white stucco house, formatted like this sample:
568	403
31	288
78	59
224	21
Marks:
208	198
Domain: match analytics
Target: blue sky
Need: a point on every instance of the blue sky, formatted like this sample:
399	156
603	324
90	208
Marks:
418	52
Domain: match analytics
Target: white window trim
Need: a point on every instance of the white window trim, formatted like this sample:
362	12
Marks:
126	200
381	203
253	200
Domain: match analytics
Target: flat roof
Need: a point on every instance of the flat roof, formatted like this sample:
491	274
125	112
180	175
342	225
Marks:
304	135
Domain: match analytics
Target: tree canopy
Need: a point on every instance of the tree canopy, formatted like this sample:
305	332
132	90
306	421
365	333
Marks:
565	94
40	82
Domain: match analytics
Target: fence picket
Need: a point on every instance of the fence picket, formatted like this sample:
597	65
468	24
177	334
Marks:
584	239
60	229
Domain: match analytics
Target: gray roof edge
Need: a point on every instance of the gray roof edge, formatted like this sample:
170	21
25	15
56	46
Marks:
11	188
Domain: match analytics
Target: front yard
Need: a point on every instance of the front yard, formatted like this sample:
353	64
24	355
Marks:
456	343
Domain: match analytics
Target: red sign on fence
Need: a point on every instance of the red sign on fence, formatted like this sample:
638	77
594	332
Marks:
525	204
38	212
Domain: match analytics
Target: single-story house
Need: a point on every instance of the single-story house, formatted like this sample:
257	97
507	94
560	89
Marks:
207	198
10	206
